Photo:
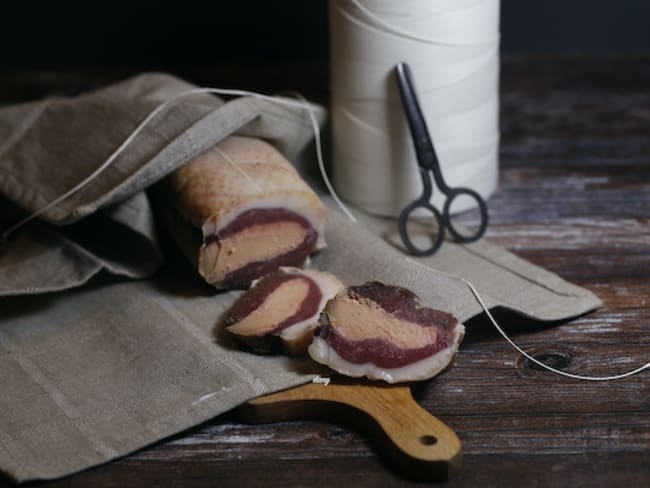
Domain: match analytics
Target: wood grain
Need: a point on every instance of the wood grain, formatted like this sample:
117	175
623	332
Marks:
411	439
574	197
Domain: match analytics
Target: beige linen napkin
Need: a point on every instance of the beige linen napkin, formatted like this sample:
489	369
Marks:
90	373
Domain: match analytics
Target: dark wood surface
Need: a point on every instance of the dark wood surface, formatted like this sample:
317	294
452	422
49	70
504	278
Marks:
574	197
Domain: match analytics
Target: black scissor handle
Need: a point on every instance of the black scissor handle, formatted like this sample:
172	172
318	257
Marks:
429	166
474	235
402	227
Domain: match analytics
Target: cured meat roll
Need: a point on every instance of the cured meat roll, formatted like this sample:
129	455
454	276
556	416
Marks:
254	210
382	332
281	310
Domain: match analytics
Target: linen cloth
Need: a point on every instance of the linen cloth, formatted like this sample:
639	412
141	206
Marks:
106	347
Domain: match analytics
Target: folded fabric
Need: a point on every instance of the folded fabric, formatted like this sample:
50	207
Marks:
49	146
94	372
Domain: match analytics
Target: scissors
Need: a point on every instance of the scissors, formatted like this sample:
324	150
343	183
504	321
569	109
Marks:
429	165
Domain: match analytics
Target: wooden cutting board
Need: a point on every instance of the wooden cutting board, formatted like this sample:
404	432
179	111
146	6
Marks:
411	439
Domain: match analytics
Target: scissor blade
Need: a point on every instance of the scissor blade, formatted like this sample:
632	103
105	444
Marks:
424	150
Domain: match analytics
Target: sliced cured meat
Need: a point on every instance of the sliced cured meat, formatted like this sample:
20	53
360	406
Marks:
281	310
382	332
253	208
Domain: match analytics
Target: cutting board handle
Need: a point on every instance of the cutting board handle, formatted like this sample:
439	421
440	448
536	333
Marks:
409	437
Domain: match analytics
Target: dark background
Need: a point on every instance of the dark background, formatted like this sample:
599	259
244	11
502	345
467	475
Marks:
60	35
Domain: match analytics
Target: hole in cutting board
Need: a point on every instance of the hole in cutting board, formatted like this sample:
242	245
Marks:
428	440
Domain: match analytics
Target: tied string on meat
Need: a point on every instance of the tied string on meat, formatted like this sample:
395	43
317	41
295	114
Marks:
239	169
304	105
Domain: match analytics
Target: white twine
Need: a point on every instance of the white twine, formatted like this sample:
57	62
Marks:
437	19
500	330
452	48
238	168
152	115
535	360
302	104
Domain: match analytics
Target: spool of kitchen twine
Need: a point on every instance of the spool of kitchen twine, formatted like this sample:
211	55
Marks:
452	47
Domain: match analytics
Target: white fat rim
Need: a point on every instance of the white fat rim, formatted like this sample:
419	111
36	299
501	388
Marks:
423	369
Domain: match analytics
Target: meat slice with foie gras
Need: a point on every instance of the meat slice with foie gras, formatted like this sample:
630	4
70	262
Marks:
254	210
281	310
382	332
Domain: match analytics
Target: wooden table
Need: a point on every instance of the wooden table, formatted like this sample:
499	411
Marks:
574	197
